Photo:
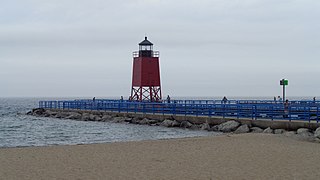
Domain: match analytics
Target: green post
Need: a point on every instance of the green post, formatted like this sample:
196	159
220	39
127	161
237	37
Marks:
284	83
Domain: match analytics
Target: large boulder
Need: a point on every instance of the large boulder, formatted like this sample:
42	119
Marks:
205	126
97	118
144	121
194	127
175	123
256	130
317	133
106	118
85	117
268	131
167	123
61	115
304	132
214	128
119	119
38	111
135	120
51	113
228	126
74	115
153	121
92	117
242	129
185	124
128	119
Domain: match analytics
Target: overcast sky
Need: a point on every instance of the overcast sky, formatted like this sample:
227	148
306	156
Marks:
61	48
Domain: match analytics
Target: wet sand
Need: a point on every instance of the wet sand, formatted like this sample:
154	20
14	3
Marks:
244	156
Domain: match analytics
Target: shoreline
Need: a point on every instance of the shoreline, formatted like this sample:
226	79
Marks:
97	143
227	156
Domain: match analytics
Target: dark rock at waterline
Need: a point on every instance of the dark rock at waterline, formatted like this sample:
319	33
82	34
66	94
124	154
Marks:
74	115
144	121
185	124
205	126
51	113
167	123
153	121
176	123
38	111
85	117
106	118
194	127
61	115
118	119
128	119
214	128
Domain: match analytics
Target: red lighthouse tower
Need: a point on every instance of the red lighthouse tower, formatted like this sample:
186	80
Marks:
146	73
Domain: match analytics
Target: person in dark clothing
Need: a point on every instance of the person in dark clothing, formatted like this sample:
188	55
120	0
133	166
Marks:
224	99
168	99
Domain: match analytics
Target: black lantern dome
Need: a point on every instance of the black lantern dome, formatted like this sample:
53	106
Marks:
145	48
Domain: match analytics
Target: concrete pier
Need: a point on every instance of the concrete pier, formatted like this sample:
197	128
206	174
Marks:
197	120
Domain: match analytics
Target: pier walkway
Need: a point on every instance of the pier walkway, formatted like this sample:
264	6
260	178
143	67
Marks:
307	111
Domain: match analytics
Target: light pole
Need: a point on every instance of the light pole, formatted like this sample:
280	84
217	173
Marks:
284	83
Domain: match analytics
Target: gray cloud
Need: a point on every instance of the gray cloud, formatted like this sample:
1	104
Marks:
208	48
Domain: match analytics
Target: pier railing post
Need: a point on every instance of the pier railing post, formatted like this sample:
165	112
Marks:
135	107
143	108
224	110
255	112
163	105
309	113
185	108
174	108
272	112
238	110
196	105
289	113
252	111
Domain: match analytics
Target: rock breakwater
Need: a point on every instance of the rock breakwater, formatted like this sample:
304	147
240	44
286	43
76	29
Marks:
230	126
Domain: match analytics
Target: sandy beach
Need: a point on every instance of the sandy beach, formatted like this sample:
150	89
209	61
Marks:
243	156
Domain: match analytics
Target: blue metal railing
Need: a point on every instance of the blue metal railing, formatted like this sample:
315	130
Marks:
253	109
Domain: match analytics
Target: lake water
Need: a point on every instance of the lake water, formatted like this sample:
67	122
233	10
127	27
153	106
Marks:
18	129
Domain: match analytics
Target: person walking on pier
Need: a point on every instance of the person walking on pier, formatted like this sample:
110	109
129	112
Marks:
168	99
224	99
279	99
